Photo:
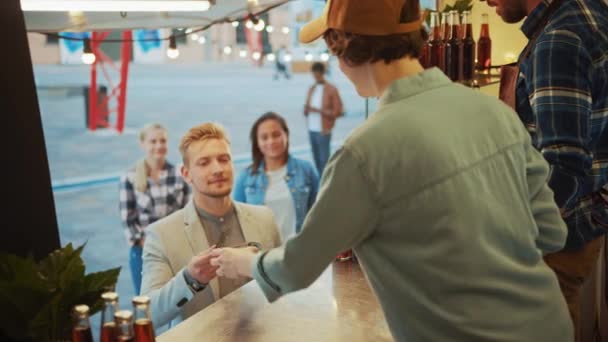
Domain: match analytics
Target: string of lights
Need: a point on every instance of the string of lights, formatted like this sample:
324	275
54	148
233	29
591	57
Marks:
251	21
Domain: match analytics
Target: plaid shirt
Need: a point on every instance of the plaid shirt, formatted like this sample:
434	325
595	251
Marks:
139	209
562	98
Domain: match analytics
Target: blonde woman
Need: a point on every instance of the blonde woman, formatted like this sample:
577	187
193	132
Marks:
150	190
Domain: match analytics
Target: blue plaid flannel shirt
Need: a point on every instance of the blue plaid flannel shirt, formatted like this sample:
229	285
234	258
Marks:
562	99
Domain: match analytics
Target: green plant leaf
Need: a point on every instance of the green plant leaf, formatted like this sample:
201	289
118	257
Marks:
460	6
37	299
22	293
63	266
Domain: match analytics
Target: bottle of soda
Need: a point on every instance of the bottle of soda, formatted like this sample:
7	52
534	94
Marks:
436	53
445	27
456	23
424	54
124	326
468	48
81	330
484	45
144	330
453	50
110	307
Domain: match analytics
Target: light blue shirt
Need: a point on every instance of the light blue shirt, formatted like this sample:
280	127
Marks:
446	205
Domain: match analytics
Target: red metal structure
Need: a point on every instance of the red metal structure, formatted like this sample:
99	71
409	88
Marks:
99	109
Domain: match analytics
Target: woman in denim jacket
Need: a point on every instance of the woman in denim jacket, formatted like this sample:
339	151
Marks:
287	185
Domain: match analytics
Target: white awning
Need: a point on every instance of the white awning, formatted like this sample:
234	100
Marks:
99	15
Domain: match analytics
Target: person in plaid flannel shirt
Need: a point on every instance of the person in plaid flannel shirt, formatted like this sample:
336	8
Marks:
562	99
150	190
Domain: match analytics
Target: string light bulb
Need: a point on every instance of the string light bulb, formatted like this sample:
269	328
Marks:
202	40
235	24
259	26
285	30
269	28
88	57
256	56
227	50
308	57
172	51
243	53
271	57
249	24
324	57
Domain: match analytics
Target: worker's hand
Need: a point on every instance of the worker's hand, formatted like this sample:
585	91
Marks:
233	262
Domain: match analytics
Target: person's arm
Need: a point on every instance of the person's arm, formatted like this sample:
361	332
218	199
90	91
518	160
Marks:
307	104
168	292
238	193
560	96
344	214
552	230
128	211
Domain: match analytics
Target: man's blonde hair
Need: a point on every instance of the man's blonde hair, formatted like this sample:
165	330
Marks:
206	131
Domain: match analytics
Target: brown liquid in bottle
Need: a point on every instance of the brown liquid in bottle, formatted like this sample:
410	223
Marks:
468	49
424	55
436	49
484	45
82	334
108	332
453	51
144	331
445	27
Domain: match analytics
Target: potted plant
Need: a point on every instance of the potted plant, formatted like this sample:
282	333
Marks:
36	298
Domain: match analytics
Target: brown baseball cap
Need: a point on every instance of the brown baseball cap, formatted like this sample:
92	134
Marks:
365	17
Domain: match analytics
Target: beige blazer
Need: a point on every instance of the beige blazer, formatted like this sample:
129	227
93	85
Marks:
170	244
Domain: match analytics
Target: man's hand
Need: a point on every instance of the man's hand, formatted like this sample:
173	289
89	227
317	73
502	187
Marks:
233	263
199	267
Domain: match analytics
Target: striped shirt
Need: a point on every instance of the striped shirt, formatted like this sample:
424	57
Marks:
139	209
562	99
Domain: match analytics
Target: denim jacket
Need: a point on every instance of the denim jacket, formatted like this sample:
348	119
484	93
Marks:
302	180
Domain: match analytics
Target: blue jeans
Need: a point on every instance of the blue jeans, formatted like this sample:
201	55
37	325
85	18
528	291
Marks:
135	261
320	149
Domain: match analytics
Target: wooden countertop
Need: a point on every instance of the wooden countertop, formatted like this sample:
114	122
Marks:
339	306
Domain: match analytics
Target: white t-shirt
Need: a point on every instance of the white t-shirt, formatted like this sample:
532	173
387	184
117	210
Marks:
316	100
279	200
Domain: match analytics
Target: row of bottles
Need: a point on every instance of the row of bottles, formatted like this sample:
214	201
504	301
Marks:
116	325
451	46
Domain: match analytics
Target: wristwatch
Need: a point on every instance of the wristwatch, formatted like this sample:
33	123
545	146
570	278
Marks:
193	284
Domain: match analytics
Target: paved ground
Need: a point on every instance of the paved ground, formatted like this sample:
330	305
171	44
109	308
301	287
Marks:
178	96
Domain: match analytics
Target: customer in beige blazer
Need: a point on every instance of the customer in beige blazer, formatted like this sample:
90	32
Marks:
177	275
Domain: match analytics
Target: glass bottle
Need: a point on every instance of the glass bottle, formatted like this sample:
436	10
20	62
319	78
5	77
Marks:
124	326
484	45
108	327
81	330
144	329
